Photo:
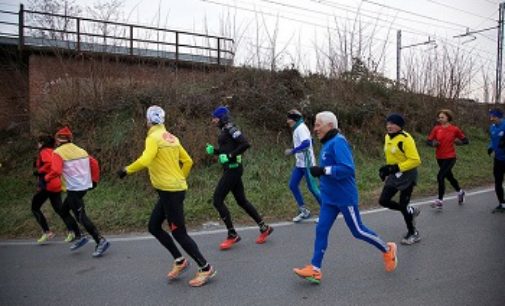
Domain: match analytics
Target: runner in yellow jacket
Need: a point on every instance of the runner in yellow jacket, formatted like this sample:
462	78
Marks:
400	173
163	156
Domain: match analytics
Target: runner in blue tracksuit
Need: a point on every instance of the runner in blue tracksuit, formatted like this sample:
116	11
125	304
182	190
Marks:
497	148
339	194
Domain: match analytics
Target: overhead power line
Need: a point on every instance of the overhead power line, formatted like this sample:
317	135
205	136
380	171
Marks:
413	13
303	21
459	10
354	10
409	29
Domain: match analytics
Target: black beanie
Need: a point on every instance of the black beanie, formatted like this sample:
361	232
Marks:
294	115
396	119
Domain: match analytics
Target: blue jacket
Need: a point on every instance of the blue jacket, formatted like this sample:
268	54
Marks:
339	187
497	132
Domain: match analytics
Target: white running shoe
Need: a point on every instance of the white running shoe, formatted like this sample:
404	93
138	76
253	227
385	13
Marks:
304	214
461	197
438	204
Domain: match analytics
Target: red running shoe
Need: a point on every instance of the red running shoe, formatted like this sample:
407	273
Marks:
229	242
262	238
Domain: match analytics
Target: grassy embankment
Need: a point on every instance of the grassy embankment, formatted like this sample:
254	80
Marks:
124	206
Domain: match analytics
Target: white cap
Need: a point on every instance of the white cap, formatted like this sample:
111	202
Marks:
155	115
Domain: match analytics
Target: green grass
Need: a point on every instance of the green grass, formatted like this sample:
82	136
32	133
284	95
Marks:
118	206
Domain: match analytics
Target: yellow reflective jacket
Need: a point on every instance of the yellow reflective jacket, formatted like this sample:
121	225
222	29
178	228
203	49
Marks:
163	156
401	150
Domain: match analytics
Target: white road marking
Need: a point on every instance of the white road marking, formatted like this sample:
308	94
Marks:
246	228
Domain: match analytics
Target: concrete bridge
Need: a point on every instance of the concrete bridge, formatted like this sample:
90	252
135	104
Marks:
38	49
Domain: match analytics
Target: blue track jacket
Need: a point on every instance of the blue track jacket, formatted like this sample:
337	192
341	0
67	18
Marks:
497	132
338	188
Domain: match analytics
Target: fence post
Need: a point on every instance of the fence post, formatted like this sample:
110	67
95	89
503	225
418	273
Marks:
219	51
21	26
131	39
176	46
78	30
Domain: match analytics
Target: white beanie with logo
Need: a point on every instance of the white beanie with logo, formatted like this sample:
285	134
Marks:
155	115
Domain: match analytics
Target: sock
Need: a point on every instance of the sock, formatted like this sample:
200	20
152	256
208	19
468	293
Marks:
205	268
263	226
232	232
179	261
316	268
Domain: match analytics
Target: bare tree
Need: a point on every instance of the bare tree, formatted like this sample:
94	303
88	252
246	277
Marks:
53	24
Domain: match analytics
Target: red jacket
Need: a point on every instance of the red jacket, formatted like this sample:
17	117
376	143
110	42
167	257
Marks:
43	165
445	136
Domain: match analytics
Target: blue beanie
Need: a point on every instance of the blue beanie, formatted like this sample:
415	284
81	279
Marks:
496	112
220	112
396	119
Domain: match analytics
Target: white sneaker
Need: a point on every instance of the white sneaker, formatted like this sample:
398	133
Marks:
461	197
437	204
411	238
304	214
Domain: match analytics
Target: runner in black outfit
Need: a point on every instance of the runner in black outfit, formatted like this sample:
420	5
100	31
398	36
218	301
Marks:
232	144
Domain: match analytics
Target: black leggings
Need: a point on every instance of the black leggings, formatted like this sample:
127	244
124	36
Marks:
55	198
74	201
445	172
170	207
498	172
386	200
232	181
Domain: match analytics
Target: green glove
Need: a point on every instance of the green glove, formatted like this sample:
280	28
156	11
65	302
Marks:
210	149
223	159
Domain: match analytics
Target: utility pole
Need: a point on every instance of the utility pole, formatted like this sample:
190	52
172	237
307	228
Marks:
398	55
499	55
499	52
399	48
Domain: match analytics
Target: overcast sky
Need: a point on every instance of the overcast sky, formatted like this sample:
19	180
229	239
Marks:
303	24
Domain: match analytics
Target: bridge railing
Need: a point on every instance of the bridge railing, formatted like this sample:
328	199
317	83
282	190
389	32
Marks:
42	29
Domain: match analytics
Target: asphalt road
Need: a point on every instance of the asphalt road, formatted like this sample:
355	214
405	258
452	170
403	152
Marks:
459	261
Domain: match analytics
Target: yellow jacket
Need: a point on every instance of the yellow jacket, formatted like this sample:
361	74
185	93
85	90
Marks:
401	150
163	156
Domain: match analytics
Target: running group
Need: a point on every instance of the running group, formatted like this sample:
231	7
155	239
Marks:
63	166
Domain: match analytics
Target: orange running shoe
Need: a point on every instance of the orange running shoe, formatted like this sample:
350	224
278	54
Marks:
229	242
202	277
178	269
390	257
262	238
309	273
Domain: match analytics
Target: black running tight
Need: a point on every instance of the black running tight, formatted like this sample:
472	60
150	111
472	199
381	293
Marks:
385	200
74	201
170	207
55	198
232	181
445	172
498	172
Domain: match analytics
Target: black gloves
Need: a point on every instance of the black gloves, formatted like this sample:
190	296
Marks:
433	143
501	143
489	151
121	173
316	171
35	172
386	170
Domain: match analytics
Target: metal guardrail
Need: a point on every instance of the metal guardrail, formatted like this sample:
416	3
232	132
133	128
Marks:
41	29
